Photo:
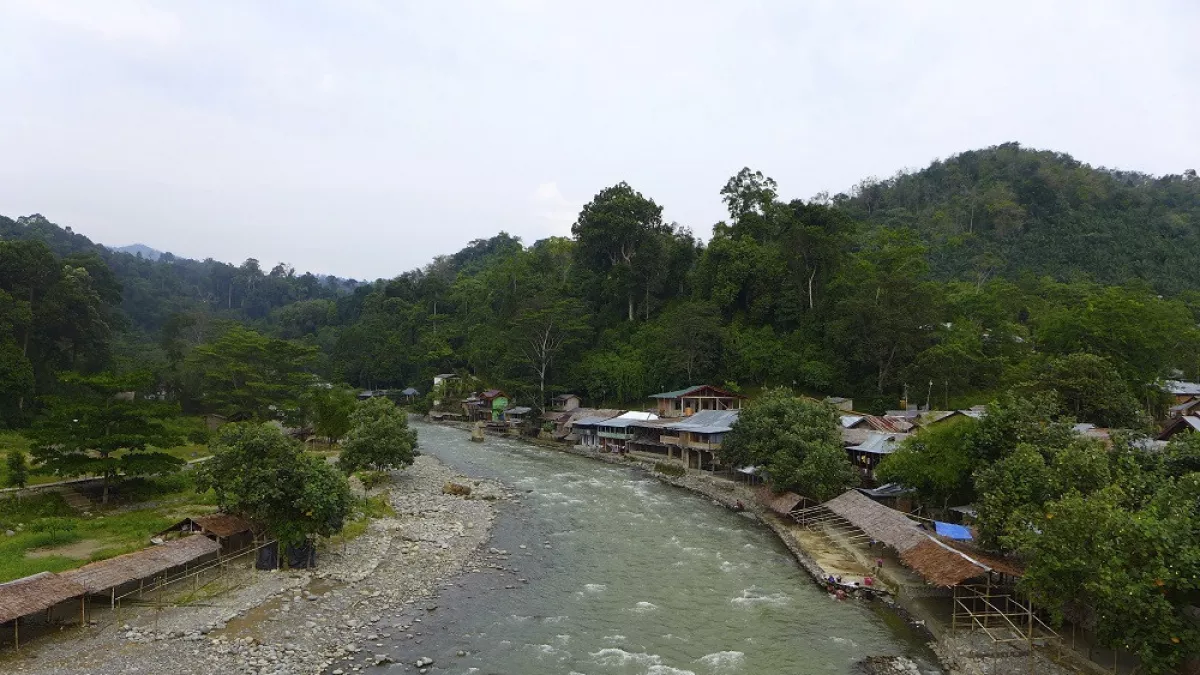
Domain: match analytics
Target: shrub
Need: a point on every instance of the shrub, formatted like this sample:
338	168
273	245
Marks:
373	479
670	469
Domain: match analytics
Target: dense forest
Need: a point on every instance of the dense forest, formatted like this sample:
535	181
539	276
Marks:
977	274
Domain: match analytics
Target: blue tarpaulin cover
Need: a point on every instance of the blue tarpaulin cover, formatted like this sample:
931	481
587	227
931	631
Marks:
951	531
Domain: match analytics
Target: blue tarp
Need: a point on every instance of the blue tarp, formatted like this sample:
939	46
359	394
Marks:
951	531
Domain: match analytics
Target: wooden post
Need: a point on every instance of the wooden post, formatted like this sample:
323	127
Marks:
82	610
17	633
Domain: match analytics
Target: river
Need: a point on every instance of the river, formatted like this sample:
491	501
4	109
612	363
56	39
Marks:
619	574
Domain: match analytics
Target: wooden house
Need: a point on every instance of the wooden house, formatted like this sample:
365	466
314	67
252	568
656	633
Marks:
586	430
868	452
230	532
686	402
1181	391
564	429
615	433
495	401
646	436
698	438
1188	424
567	402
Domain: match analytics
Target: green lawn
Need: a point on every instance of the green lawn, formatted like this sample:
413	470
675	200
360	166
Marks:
51	537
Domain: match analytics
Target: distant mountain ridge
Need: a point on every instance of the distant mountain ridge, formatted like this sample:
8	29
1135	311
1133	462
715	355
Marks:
139	249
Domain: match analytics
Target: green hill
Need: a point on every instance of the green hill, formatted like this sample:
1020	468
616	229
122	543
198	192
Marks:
1011	210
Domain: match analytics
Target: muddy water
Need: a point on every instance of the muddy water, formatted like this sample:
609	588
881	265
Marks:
618	574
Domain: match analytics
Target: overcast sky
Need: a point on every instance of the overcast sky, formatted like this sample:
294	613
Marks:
363	137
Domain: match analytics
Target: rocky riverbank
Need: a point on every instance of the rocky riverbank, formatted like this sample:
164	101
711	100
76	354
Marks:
336	618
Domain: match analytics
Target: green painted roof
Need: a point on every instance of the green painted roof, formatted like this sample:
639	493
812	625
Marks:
678	392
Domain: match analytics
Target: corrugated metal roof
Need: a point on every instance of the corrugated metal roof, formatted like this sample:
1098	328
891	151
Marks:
879	443
1186	405
626	419
1181	388
848	421
589	421
693	389
708	422
886	490
518	410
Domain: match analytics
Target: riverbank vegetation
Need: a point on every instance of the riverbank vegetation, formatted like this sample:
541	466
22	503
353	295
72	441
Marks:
1109	534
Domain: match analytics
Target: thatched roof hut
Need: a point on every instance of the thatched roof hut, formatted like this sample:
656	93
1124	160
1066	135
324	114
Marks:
876	520
939	562
944	565
785	503
107	574
34	594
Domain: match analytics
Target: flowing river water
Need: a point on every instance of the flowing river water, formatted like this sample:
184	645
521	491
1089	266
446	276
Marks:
624	575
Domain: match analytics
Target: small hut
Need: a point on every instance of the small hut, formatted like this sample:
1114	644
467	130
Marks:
567	402
230	532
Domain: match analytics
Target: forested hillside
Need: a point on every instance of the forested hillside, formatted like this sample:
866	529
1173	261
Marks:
1011	210
996	268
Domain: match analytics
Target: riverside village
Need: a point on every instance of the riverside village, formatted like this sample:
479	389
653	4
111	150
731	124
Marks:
218	586
521	337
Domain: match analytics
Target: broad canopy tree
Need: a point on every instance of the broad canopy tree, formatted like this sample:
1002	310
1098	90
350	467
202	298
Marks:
259	473
614	232
244	373
105	427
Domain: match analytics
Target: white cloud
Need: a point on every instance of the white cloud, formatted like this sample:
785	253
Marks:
111	19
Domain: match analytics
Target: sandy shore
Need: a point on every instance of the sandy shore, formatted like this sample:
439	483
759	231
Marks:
339	616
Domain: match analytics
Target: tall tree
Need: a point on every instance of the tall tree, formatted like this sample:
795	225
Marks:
798	441
105	427
259	473
546	329
613	231
244	372
379	438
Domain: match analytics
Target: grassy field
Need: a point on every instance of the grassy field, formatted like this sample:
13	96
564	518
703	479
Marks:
49	536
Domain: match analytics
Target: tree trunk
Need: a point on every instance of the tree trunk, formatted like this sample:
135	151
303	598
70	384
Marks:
631	306
542	384
811	276
104	496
